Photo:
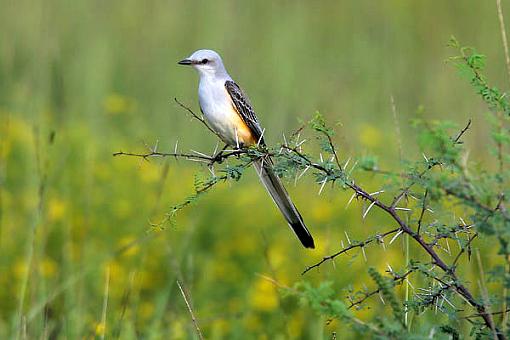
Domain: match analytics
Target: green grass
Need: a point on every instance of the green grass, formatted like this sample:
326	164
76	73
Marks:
80	80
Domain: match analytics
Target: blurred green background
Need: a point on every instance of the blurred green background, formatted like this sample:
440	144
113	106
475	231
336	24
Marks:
80	80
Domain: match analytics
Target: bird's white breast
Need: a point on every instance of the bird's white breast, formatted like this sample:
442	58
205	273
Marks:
217	108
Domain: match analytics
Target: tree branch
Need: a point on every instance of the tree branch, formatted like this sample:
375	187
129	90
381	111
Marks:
391	210
352	246
197	117
366	296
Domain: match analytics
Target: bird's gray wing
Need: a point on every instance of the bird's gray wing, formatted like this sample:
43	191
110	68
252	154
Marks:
243	107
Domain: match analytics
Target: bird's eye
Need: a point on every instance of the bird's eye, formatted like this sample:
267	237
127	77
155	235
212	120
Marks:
205	61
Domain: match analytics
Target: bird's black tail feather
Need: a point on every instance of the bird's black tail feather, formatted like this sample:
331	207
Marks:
280	196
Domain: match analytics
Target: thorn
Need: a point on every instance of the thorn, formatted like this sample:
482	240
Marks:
418	296
398	200
364	255
383	244
197	160
211	170
348	239
300	143
396	236
347	162
261	136
404	209
237	138
409	283
322	186
215	150
285	140
426	159
389	267
259	172
469	303
458	240
376	193
448	302
306	169
322	159
413	197
199	153
382	300
353	167
298	135
368	209
350	200
342	244
176	144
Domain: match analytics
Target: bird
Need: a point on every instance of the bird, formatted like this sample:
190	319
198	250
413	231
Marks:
229	113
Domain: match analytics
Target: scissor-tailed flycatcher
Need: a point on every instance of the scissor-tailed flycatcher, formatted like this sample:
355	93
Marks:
229	113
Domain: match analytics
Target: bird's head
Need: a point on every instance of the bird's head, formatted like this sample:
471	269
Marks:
206	62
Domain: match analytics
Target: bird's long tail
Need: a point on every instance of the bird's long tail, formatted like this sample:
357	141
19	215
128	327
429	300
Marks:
280	196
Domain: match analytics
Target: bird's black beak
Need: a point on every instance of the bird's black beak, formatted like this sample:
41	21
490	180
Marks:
185	62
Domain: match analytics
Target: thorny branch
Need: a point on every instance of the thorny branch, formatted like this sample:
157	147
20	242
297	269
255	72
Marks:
198	156
378	237
397	280
194	115
337	173
405	228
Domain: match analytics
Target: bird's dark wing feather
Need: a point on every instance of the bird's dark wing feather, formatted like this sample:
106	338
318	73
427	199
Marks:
244	109
264	167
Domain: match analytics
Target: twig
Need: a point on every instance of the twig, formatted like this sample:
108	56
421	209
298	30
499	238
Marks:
423	209
352	246
476	315
197	117
218	158
396	278
468	244
478	204
462	132
334	152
